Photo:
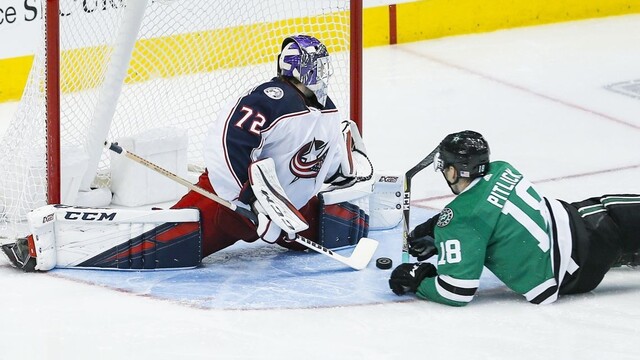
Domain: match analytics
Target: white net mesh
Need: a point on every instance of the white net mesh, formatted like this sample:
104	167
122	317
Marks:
189	57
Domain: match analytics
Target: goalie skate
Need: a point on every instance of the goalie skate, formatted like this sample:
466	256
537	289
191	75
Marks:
18	255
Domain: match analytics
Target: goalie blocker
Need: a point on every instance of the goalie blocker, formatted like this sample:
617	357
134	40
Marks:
121	239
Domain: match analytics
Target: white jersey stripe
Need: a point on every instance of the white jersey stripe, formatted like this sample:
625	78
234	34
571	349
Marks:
460	283
451	295
533	293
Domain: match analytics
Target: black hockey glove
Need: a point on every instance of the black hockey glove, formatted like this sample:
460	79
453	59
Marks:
422	247
407	277
420	239
426	228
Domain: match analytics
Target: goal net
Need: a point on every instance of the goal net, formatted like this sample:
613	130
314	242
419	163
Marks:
130	66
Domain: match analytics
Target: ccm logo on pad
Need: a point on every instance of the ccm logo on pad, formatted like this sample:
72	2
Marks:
89	216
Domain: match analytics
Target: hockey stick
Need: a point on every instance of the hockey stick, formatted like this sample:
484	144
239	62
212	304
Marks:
360	257
406	203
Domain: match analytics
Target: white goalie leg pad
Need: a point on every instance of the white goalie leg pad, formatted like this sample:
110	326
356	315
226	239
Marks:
359	191
41	225
269	193
386	201
125	239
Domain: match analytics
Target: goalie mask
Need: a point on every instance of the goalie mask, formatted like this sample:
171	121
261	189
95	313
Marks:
467	151
306	59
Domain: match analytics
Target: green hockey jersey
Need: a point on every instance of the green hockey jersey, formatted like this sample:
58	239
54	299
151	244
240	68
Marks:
500	221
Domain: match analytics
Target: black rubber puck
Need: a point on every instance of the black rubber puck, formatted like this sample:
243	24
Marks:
384	263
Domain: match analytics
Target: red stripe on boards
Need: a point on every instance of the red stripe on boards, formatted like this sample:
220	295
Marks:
393	25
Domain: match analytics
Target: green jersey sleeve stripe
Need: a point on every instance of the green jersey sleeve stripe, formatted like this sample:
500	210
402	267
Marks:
618	200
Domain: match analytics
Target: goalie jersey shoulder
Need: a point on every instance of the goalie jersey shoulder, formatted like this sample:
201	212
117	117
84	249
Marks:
268	121
276	99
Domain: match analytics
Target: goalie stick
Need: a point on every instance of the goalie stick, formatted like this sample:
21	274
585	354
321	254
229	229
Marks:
406	202
359	259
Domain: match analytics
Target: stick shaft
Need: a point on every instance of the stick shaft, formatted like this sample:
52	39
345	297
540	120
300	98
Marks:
406	201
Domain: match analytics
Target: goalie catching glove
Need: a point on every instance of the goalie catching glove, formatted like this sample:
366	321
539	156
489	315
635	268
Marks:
355	164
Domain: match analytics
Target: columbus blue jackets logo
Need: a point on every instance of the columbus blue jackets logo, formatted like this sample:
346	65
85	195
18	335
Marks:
274	92
306	163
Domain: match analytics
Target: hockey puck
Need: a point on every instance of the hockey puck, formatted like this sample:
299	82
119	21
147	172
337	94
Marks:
384	263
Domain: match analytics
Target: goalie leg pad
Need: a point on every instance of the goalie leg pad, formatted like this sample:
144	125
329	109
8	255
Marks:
342	224
385	204
165	246
72	237
344	214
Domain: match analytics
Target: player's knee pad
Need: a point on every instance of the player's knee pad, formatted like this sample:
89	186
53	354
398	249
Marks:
120	239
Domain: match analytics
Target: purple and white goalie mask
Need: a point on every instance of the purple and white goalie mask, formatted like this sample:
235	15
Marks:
306	59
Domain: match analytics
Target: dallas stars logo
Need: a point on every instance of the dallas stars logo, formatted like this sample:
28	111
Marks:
446	215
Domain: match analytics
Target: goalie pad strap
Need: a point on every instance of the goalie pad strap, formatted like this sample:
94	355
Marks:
129	239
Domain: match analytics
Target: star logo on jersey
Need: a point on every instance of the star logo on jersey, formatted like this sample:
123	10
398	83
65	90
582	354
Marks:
445	217
306	163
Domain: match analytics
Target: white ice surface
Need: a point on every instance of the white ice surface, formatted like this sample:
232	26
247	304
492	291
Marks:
538	96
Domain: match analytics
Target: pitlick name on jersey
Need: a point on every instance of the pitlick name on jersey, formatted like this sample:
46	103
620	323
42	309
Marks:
503	188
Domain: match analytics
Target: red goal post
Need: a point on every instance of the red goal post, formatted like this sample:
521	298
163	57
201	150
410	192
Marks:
113	68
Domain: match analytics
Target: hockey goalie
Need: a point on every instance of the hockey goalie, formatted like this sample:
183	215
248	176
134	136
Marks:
284	138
